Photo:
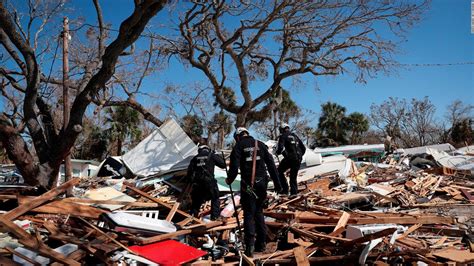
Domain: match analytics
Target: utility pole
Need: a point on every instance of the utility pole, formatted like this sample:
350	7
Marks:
65	35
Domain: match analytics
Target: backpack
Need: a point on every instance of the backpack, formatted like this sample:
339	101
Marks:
201	171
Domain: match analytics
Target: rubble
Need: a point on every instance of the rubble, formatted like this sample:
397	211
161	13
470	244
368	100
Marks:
346	212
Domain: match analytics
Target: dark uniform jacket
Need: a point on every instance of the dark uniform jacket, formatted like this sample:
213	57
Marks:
201	167
291	146
242	156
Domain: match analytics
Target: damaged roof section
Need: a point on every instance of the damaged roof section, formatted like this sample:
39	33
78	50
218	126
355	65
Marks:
167	148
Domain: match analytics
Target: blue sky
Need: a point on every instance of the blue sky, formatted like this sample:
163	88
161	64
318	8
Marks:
443	36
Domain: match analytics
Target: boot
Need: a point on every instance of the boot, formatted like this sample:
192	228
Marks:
249	251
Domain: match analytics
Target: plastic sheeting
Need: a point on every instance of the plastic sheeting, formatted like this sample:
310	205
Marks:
167	148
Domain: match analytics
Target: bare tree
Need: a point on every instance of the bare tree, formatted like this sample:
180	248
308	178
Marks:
51	140
388	116
458	111
419	122
235	43
408	123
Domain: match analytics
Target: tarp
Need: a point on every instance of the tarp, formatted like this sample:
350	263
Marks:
167	148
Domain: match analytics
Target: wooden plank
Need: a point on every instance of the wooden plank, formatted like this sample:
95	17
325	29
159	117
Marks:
410	230
112	202
441	241
300	256
158	238
199	228
341	224
172	212
166	205
460	256
67	208
297	199
317	236
274	254
248	260
107	236
290	238
369	237
394	219
24	208
185	222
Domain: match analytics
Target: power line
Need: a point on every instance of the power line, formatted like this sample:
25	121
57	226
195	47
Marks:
438	64
157	37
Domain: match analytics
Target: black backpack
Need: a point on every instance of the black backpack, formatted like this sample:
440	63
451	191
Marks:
201	171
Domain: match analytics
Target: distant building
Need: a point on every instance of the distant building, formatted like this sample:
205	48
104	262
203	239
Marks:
82	168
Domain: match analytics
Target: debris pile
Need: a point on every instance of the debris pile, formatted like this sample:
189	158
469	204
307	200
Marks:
407	208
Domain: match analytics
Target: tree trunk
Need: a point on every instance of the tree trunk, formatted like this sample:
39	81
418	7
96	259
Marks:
241	120
119	147
18	152
220	138
209	138
48	175
275	124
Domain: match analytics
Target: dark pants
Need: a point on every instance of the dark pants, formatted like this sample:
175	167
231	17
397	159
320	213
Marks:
254	222
203	192
294	166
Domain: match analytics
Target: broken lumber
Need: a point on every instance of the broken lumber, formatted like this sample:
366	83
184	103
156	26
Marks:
24	208
168	206
300	257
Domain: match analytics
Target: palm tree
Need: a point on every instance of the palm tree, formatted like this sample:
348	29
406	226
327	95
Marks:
284	108
332	122
123	124
357	123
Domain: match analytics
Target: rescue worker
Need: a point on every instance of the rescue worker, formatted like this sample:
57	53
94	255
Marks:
253	185
204	185
292	149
